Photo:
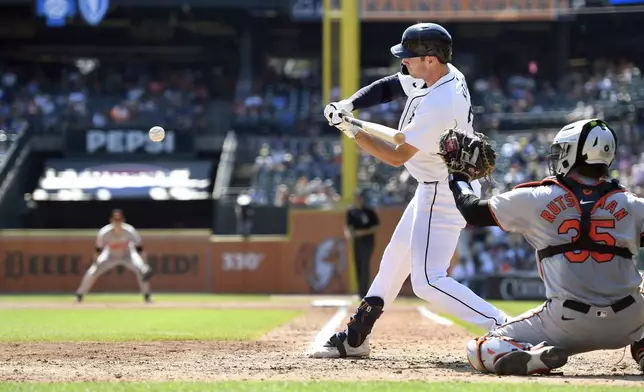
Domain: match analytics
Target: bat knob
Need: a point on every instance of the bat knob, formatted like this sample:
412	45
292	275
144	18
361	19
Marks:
399	138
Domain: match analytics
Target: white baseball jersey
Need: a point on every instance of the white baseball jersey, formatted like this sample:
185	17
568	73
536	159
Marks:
118	244
427	114
426	236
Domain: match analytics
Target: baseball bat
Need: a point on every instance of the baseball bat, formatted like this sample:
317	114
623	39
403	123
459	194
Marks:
380	131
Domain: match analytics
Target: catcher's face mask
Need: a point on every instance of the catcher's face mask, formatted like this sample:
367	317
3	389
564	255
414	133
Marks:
558	153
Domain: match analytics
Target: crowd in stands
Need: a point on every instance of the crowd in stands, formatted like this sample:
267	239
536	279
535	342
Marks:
297	172
12	121
87	94
280	99
302	168
306	175
288	96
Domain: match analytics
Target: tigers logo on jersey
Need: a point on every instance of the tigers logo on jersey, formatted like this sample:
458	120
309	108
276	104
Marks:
93	11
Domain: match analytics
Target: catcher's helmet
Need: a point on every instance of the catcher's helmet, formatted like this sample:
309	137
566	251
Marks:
425	39
591	142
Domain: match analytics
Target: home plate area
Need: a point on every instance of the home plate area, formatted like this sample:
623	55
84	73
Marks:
409	343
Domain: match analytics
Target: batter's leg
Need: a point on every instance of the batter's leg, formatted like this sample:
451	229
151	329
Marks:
142	272
434	238
395	265
103	264
366	272
392	273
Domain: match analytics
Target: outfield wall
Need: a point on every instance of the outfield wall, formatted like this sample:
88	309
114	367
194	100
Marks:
312	258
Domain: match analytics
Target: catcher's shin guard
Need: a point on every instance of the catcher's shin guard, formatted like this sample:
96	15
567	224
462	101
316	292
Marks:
637	351
505	356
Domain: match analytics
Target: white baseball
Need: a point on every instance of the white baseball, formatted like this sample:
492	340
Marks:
156	134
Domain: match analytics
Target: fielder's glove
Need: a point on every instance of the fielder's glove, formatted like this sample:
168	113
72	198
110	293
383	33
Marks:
470	155
334	113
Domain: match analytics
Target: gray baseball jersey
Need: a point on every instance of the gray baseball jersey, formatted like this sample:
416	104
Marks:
121	244
549	215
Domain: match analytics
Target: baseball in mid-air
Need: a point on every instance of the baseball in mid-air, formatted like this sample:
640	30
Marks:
156	133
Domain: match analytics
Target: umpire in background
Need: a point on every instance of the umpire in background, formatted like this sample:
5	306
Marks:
361	225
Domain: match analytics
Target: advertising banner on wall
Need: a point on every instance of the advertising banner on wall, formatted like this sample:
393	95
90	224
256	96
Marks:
314	259
57	264
129	141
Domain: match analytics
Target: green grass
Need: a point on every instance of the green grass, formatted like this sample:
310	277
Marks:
139	324
167	297
247	386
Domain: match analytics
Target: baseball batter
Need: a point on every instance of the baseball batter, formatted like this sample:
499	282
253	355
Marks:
426	236
586	230
118	243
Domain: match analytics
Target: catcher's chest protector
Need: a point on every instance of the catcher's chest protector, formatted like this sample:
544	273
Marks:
587	199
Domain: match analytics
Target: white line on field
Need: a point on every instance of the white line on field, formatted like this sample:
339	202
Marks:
434	317
328	329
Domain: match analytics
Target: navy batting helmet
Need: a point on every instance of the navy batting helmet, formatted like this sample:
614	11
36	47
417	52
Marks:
425	39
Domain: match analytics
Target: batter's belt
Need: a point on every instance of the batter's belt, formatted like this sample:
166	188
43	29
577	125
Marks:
585	308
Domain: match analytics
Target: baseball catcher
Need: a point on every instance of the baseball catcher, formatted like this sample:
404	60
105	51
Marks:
585	229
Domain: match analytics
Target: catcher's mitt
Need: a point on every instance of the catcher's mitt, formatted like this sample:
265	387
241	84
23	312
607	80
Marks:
471	155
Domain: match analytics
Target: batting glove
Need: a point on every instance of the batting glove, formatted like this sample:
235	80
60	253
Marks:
348	129
332	111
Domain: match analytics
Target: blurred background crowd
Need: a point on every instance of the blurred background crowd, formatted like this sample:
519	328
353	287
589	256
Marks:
268	73
302	167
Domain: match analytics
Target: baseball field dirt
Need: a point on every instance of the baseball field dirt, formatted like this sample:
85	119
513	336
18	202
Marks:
406	346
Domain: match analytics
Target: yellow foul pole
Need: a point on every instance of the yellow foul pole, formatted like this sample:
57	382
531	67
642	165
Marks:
326	52
341	26
349	83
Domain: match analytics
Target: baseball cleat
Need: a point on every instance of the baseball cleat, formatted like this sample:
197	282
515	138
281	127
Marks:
79	298
538	360
338	347
147	298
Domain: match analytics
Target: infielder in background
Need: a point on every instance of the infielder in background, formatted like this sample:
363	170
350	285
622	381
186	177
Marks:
117	243
586	230
426	236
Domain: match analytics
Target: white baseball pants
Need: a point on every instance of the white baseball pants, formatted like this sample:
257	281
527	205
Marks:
106	262
423	244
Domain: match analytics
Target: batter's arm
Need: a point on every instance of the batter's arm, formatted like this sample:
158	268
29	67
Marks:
381	91
392	155
475	211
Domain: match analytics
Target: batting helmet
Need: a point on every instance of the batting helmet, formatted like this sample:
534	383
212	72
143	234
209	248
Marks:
425	39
